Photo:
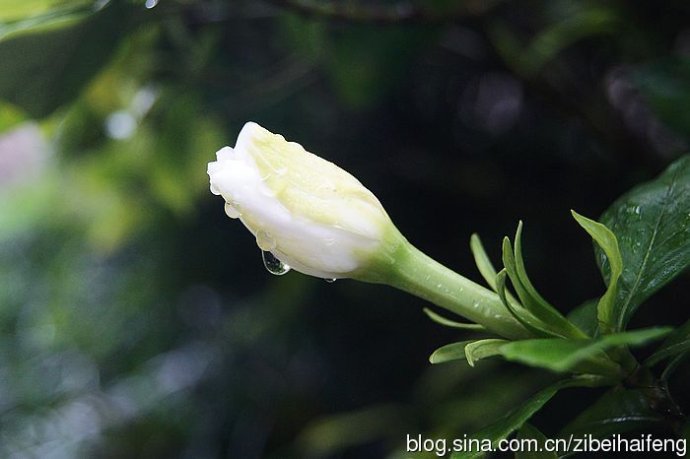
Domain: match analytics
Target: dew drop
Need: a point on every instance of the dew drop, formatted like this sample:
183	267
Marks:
232	211
265	241
330	281
273	264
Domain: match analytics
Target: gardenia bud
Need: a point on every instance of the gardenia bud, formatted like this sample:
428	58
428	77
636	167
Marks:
306	211
316	218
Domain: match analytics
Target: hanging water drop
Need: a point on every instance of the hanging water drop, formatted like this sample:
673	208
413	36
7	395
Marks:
330	281
273	264
232	211
265	241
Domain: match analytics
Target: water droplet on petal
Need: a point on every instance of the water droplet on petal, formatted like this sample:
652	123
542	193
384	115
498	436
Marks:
232	211
330	281
265	241
273	264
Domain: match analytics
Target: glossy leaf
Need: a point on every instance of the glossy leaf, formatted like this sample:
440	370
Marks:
580	355
651	223
608	243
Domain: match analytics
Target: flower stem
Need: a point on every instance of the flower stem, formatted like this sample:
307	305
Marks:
414	272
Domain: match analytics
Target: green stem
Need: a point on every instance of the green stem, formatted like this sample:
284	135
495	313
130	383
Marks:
414	272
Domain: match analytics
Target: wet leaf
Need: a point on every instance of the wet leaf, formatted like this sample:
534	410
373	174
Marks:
651	223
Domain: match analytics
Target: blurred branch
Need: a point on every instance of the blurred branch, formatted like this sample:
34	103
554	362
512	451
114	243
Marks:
399	13
584	99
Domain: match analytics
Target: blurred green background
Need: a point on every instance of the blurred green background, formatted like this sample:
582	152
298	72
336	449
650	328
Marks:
137	321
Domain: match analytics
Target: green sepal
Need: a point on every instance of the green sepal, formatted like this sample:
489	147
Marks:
483	349
439	319
529	297
526	319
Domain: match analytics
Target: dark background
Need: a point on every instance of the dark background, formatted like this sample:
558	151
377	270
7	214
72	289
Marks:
136	320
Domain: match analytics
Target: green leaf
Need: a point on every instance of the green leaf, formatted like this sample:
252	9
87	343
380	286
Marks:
585	317
528	431
482	349
608	243
676	343
651	223
471	351
579	355
439	319
11	11
529	297
512	421
33	78
453	351
617	411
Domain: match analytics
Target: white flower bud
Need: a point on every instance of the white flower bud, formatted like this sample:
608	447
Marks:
308	212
